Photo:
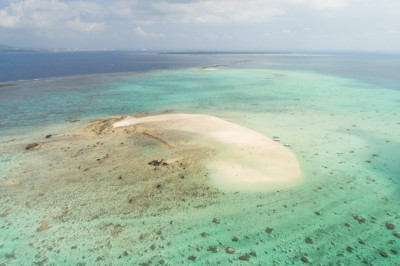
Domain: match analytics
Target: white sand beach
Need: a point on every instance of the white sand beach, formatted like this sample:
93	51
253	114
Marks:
246	159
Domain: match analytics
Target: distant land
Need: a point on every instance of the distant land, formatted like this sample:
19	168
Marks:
220	52
11	49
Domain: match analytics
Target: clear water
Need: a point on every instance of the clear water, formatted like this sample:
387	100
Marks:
339	113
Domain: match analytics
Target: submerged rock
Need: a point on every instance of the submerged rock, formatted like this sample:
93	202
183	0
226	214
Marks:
42	262
213	249
155	162
31	146
269	230
44	225
390	226
304	259
192	257
204	234
230	250
359	219
384	254
309	240
244	257
10	256
235	239
396	234
4	214
158	163
216	221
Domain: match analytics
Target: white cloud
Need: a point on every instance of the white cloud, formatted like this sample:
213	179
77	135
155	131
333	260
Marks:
139	31
212	36
160	35
227	36
6	20
32	13
321	4
42	14
81	15
78	25
144	21
52	14
251	11
121	10
370	34
122	22
208	19
208	11
90	9
392	32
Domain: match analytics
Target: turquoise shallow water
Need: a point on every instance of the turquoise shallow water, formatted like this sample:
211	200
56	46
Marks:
345	132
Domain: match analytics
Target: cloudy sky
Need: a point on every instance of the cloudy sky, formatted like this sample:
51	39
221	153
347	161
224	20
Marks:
202	24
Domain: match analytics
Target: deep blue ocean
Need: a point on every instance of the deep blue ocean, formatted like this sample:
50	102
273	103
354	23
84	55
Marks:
28	66
369	67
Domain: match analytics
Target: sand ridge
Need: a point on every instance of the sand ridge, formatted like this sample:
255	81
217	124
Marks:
247	160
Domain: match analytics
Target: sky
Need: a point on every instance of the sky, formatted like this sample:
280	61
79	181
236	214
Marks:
280	25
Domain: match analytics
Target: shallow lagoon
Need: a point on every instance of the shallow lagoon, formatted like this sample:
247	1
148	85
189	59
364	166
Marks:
343	130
